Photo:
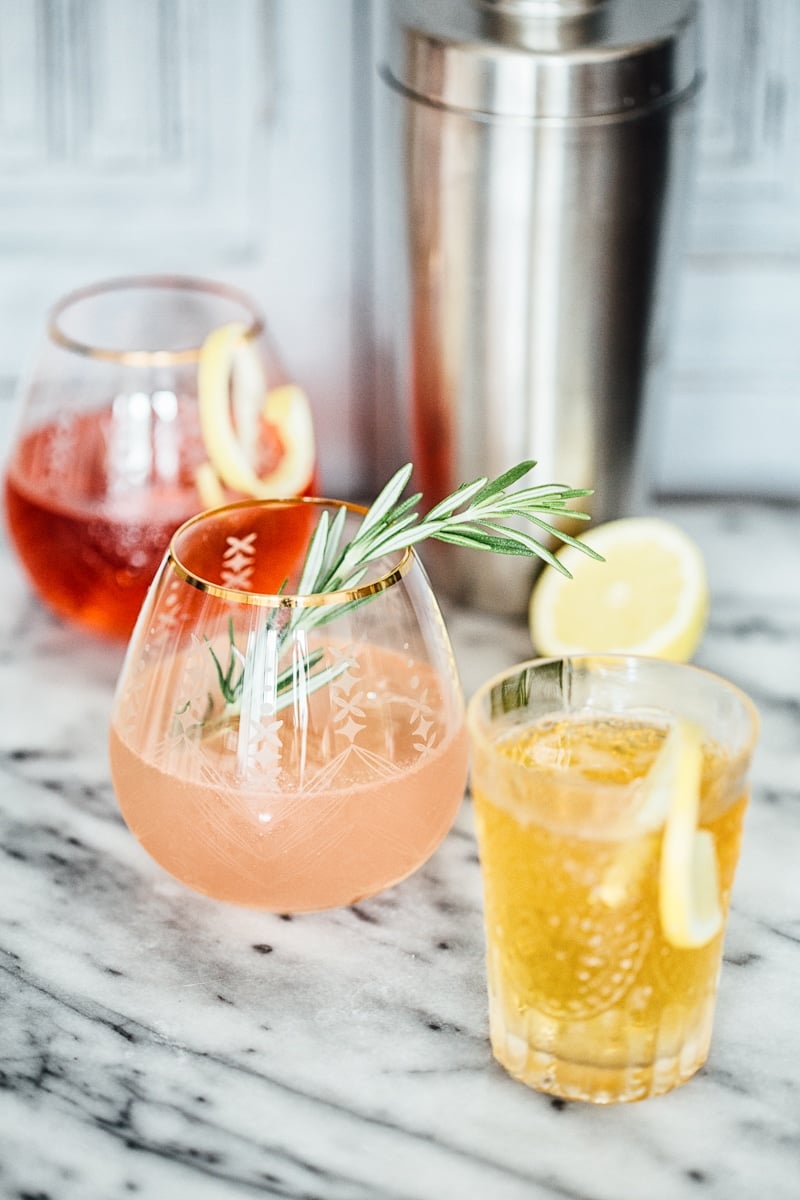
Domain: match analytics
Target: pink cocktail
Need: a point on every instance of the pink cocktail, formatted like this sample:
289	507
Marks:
285	751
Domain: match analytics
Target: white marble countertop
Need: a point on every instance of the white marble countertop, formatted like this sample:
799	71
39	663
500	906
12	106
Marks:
157	1044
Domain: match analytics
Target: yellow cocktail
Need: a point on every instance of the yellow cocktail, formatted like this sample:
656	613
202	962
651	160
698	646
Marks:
590	996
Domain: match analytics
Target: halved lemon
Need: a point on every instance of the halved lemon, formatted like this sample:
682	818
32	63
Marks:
232	404
649	596
689	905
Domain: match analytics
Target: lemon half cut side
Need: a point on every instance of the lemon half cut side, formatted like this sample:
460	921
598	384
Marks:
232	402
649	596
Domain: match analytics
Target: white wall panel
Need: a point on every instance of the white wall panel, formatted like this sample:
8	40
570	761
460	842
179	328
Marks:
749	166
231	138
313	196
732	424
23	126
139	131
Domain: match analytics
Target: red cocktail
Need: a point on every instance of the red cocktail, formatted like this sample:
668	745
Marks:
113	453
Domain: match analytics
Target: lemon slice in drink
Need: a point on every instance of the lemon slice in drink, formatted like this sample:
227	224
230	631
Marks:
649	596
230	383
689	907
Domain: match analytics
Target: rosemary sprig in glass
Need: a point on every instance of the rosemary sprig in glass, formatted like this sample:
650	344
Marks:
474	515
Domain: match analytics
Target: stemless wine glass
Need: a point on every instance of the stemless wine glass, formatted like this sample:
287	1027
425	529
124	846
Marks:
289	752
103	468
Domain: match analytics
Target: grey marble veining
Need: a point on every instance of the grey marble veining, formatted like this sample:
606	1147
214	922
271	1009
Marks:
154	1043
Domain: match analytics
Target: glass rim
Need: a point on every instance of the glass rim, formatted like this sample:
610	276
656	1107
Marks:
477	726
284	599
142	356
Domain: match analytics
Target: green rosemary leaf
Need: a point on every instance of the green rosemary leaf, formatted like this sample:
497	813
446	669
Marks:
526	497
384	501
313	618
231	648
222	676
392	541
527	540
553	511
315	557
288	675
467	491
477	540
562	536
403	506
312	684
333	542
230	690
325	615
398	536
553	508
495	486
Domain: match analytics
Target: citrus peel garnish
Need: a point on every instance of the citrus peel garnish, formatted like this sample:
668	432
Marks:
689	905
230	386
287	408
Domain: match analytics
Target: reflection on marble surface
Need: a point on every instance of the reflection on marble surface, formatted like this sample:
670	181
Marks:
158	1044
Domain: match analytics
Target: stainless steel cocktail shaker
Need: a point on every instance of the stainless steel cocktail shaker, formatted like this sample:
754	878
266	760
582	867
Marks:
534	161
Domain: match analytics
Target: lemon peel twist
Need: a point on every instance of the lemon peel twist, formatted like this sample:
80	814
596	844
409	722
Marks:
231	403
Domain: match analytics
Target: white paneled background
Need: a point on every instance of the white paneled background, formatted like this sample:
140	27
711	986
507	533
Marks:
231	138
733	422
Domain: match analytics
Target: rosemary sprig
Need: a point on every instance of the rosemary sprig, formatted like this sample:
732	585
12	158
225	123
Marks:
474	515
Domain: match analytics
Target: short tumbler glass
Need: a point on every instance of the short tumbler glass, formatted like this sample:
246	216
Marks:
588	999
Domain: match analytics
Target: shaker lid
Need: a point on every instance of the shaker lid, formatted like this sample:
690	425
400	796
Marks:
562	59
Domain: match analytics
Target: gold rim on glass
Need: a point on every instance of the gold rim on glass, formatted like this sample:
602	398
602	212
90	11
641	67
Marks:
276	600
477	722
143	356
